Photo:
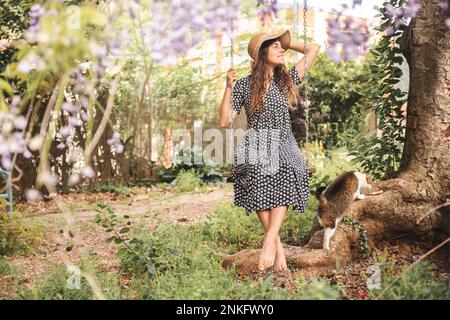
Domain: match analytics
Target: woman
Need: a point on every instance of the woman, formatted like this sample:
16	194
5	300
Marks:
267	93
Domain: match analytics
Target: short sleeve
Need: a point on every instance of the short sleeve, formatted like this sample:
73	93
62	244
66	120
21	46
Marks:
237	96
295	76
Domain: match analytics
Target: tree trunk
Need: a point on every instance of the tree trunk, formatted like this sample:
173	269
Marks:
423	181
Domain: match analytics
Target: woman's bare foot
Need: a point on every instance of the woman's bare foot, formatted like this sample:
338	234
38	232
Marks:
268	252
280	264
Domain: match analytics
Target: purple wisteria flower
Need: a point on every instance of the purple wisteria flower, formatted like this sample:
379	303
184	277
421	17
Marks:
88	172
74	179
31	62
443	4
133	7
351	36
36	12
268	10
401	16
12	138
32	195
115	141
175	22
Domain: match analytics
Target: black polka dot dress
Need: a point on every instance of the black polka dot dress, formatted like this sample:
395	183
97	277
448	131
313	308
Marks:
269	171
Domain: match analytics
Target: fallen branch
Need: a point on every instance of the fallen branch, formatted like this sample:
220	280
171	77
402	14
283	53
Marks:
445	204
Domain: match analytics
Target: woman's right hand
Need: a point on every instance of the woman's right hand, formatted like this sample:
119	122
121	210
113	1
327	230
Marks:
231	77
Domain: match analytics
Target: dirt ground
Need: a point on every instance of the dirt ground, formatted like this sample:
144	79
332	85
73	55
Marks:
151	205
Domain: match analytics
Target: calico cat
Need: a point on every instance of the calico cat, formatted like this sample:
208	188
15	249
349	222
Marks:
337	198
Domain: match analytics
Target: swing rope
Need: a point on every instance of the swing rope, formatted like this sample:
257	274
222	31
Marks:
306	99
305	10
227	174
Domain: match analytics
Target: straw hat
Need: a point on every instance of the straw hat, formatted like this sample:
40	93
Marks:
257	40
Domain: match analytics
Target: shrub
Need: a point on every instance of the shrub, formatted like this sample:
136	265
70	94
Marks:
207	171
187	181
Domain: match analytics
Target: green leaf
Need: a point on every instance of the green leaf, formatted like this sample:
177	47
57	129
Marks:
134	241
5	86
124	230
122	251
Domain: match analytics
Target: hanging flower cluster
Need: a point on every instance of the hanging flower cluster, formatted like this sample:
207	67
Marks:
63	42
12	139
115	141
268	10
401	16
354	39
174	22
352	36
443	4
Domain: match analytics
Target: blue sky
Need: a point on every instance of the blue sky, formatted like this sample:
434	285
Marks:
364	10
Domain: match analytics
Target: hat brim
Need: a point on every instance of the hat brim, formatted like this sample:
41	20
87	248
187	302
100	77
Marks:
285	39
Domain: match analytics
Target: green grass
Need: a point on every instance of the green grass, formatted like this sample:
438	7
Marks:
5	268
70	284
187	265
19	236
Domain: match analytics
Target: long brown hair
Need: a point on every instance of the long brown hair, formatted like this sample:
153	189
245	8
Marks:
259	79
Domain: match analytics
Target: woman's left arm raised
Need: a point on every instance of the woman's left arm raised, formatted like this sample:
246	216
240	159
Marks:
311	50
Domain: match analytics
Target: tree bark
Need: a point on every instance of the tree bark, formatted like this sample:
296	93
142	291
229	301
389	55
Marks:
423	181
